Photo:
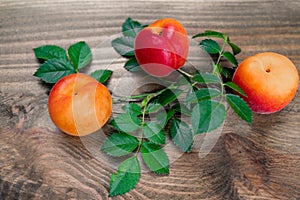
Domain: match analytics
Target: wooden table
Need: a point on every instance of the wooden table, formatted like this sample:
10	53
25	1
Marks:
258	161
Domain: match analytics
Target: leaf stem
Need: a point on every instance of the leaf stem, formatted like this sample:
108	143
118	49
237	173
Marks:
185	73
147	100
221	52
216	65
130	98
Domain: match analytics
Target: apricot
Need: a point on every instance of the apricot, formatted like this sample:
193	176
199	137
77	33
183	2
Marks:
162	47
270	81
79	105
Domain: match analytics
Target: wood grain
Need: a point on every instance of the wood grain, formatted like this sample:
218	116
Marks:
258	161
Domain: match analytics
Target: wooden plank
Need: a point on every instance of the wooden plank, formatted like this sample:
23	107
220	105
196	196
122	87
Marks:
259	161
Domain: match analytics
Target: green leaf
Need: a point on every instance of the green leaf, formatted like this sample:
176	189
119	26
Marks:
80	55
210	46
163	117
207	116
155	158
206	78
240	107
235	49
209	33
231	58
133	109
130	28
101	75
127	123
190	94
132	65
124	46
53	70
153	107
120	144
126	178
48	52
181	135
114	125
202	94
154	133
236	88
166	96
182	108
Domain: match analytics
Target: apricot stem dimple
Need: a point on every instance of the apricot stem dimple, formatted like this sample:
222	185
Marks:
268	70
157	30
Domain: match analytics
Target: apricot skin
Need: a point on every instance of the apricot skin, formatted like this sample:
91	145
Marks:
79	105
162	47
270	81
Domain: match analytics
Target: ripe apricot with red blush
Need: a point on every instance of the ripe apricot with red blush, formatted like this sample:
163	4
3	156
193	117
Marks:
270	81
79	105
162	47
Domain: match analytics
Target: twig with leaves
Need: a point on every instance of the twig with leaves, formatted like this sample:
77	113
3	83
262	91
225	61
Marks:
56	63
134	134
203	104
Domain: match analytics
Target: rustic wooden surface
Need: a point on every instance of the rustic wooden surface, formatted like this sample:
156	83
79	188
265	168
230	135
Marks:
258	161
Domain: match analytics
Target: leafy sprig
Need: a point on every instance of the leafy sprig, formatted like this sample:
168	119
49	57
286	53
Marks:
240	107
204	103
134	133
56	64
124	45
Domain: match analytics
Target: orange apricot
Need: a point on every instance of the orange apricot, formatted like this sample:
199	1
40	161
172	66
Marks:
270	81
79	105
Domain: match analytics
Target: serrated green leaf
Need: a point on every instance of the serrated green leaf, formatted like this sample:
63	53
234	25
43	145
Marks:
101	75
235	49
155	158
203	94
154	133
153	107
207	78
127	123
190	94
236	88
132	109
80	54
53	70
130	27
166	97
132	65
207	116
230	57
120	144
124	46
240	107
209	33
47	52
114	125
126	178
181	135
182	108
163	117
210	46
